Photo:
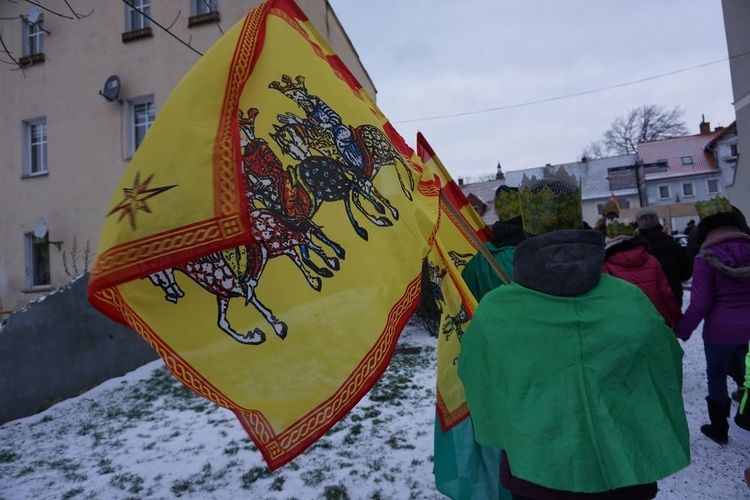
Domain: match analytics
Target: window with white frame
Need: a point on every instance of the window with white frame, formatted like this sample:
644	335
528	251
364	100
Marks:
664	193
33	38
599	208
199	7
141	116
713	186
34	147
36	254
624	203
688	189
134	15
687	160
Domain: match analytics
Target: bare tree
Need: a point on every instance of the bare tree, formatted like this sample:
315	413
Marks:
647	123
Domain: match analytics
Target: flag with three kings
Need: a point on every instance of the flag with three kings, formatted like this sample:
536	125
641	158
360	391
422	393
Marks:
463	469
267	237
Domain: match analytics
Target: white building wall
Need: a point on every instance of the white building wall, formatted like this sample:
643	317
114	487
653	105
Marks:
736	22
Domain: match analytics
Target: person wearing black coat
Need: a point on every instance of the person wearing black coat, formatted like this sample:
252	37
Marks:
673	258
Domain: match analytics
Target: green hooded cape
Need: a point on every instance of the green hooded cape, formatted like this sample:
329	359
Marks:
584	393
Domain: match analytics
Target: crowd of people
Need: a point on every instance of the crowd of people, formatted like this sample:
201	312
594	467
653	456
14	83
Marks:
573	370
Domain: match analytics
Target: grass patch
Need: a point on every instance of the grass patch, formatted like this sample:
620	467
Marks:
313	477
8	456
127	482
206	480
105	466
278	483
69	469
335	492
250	477
72	493
354	431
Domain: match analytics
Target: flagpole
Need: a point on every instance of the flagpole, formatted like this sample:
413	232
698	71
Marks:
474	238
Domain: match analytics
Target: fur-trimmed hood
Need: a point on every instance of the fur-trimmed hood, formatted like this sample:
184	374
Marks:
727	249
740	273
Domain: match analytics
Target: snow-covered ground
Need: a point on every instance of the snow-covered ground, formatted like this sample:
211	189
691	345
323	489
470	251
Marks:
145	436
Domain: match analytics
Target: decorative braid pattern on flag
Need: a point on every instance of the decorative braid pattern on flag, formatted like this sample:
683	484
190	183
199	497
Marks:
451	418
160	246
225	157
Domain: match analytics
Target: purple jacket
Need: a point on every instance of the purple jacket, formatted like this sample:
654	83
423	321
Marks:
720	294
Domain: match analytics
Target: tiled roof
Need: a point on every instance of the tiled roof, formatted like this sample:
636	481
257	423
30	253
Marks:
592	174
673	150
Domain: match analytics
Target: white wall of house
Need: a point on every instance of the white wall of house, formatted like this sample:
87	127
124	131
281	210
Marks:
683	189
87	139
736	22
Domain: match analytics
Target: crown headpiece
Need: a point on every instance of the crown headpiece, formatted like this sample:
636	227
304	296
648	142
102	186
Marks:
288	85
617	228
507	203
550	203
714	206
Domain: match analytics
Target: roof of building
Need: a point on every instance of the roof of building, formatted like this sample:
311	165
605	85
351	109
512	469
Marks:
673	151
593	174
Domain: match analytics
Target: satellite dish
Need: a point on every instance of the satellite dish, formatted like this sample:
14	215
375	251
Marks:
40	228
111	88
34	14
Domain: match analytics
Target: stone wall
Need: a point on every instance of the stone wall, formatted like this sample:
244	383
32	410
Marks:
60	347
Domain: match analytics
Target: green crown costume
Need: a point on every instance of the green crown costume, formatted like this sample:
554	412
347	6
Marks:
617	228
507	204
714	206
550	203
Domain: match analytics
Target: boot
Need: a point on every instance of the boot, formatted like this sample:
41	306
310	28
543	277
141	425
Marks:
747	476
718	429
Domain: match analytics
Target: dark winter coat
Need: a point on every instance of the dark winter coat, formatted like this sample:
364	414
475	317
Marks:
720	292
671	255
630	261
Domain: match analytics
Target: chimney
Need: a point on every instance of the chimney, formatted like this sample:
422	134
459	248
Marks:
460	181
705	127
499	176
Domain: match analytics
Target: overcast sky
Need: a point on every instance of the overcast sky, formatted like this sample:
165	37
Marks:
430	58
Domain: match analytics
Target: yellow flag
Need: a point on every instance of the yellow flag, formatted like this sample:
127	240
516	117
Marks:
461	232
267	237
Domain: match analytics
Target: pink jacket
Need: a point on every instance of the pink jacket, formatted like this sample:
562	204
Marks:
635	265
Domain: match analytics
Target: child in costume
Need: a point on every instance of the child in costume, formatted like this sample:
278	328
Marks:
626	258
720	297
583	396
507	232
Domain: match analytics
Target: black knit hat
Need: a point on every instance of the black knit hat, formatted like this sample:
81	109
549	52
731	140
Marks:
722	219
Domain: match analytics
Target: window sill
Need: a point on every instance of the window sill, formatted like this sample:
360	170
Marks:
208	17
31	60
133	35
38	289
37	174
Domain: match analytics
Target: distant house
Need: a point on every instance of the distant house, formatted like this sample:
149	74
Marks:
479	205
683	170
600	179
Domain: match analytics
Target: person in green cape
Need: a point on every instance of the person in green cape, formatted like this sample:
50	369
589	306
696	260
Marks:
464	469
507	232
573	374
